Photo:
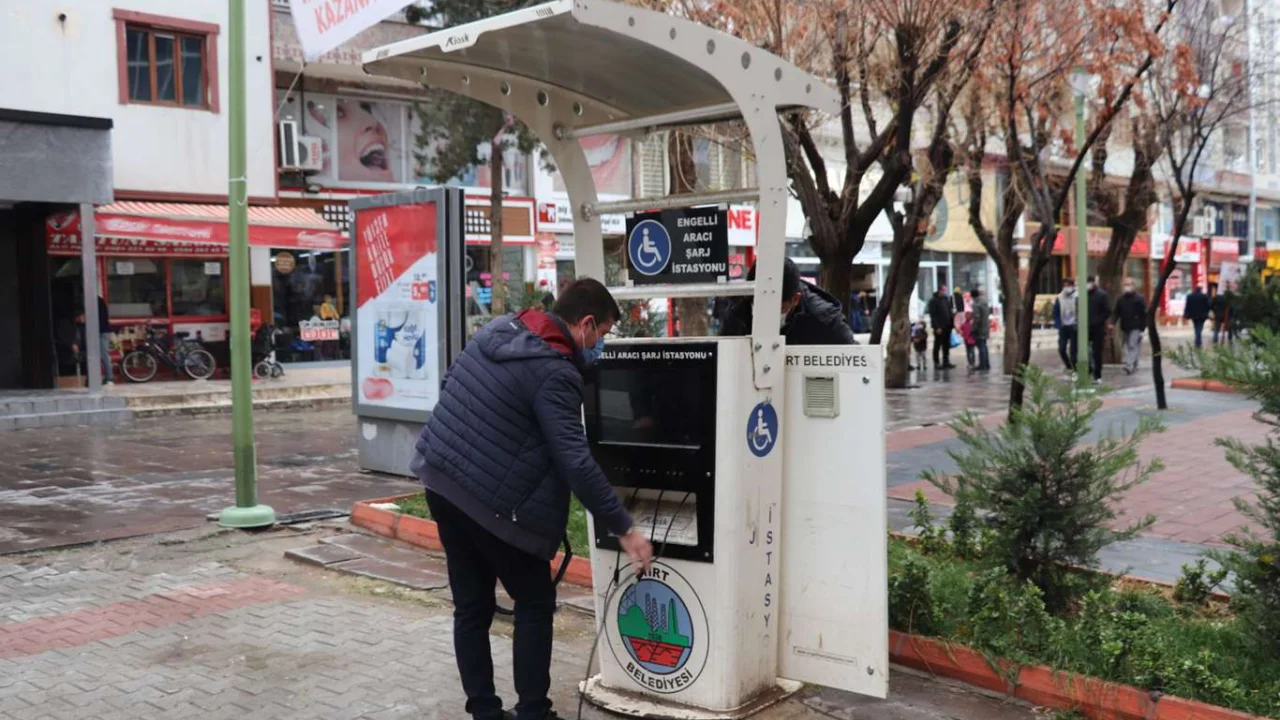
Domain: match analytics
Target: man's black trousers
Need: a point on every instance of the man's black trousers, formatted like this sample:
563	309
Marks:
477	559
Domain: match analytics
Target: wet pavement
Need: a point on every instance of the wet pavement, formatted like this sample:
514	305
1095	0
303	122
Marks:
72	485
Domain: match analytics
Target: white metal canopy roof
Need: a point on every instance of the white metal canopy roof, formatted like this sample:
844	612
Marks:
557	44
569	69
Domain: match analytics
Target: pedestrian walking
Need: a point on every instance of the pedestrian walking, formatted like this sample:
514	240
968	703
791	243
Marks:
1221	307
920	343
1099	313
981	328
1065	309
1131	314
501	499
942	320
1197	309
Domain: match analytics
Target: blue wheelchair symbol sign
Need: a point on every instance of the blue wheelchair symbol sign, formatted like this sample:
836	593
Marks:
762	429
649	247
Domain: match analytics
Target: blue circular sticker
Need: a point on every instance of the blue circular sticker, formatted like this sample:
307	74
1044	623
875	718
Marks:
762	429
649	247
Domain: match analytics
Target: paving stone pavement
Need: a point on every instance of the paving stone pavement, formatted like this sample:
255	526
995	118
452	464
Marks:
232	631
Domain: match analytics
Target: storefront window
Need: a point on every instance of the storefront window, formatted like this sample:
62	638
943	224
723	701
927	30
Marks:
199	287
971	272
309	303
136	288
1050	281
480	283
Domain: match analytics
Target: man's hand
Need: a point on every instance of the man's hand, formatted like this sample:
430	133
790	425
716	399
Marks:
637	547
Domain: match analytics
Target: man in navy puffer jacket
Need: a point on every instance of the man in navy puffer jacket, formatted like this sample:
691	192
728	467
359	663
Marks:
502	451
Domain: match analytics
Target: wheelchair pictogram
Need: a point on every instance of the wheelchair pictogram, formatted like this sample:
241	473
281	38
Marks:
649	247
762	429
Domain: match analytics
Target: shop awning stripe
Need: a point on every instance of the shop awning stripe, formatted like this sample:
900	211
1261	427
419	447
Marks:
291	217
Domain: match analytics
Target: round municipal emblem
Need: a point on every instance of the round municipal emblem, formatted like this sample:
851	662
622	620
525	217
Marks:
659	632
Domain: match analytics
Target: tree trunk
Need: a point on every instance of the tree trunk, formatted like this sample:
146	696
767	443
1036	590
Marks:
1110	278
835	275
898	353
1153	330
1022	343
498	301
1011	305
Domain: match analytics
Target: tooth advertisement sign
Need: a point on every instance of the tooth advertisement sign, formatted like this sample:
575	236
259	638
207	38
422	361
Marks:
397	314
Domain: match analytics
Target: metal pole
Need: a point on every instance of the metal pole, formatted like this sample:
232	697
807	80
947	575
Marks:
1082	256
247	513
1251	156
93	350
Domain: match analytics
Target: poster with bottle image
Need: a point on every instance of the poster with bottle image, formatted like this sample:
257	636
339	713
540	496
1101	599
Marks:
397	359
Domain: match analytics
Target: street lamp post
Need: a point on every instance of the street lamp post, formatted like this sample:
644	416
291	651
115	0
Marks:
1080	84
246	513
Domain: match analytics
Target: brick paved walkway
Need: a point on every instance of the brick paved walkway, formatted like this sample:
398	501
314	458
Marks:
220	627
1191	498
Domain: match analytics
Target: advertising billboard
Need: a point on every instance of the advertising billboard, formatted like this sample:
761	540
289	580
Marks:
400	294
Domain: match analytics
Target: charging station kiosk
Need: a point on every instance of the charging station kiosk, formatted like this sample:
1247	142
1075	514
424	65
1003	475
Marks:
758	468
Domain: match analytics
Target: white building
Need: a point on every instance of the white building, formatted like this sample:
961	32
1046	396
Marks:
124	106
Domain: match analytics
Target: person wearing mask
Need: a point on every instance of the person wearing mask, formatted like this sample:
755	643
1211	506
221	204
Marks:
501	499
981	328
1099	313
1197	308
809	316
942	320
1065	309
1131	313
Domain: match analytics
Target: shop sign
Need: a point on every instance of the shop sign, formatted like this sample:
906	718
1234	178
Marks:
64	228
124	267
744	225
285	263
557	217
683	245
318	330
1188	250
1097	240
213	268
66	244
397	362
1224	248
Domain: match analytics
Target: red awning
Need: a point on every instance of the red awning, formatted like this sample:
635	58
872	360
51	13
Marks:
185	229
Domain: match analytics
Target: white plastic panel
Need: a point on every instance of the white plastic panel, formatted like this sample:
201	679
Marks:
834	628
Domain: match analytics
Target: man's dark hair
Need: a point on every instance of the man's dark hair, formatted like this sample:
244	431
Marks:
790	277
976	292
587	297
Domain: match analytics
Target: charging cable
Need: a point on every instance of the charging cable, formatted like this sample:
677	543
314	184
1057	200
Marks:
615	585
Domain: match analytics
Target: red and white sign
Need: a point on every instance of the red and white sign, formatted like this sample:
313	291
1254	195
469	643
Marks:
63	232
397	314
1188	250
323	25
317	330
1224	249
557	217
744	226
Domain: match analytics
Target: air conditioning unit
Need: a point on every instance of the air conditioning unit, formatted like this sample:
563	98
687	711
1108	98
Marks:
310	154
289	145
1201	226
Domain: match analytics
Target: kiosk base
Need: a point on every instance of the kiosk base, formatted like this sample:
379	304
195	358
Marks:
636	705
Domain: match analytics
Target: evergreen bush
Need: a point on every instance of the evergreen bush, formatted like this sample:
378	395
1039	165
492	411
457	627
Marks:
1045	503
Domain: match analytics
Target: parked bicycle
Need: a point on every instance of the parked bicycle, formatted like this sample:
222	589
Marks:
190	357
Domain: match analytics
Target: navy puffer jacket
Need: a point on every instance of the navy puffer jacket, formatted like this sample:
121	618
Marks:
505	443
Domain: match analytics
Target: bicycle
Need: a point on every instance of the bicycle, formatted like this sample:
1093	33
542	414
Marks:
141	364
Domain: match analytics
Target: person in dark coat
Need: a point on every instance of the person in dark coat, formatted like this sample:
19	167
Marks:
1131	314
499	457
942	319
1099	313
809	315
981	328
858	313
1197	310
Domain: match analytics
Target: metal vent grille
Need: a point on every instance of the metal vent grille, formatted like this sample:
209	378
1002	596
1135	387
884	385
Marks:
820	397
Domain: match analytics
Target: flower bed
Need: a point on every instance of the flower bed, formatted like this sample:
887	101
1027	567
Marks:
376	517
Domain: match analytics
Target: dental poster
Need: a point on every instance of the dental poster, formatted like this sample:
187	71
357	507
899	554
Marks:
398	356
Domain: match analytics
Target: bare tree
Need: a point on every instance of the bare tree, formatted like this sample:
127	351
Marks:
1196	91
1040	45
